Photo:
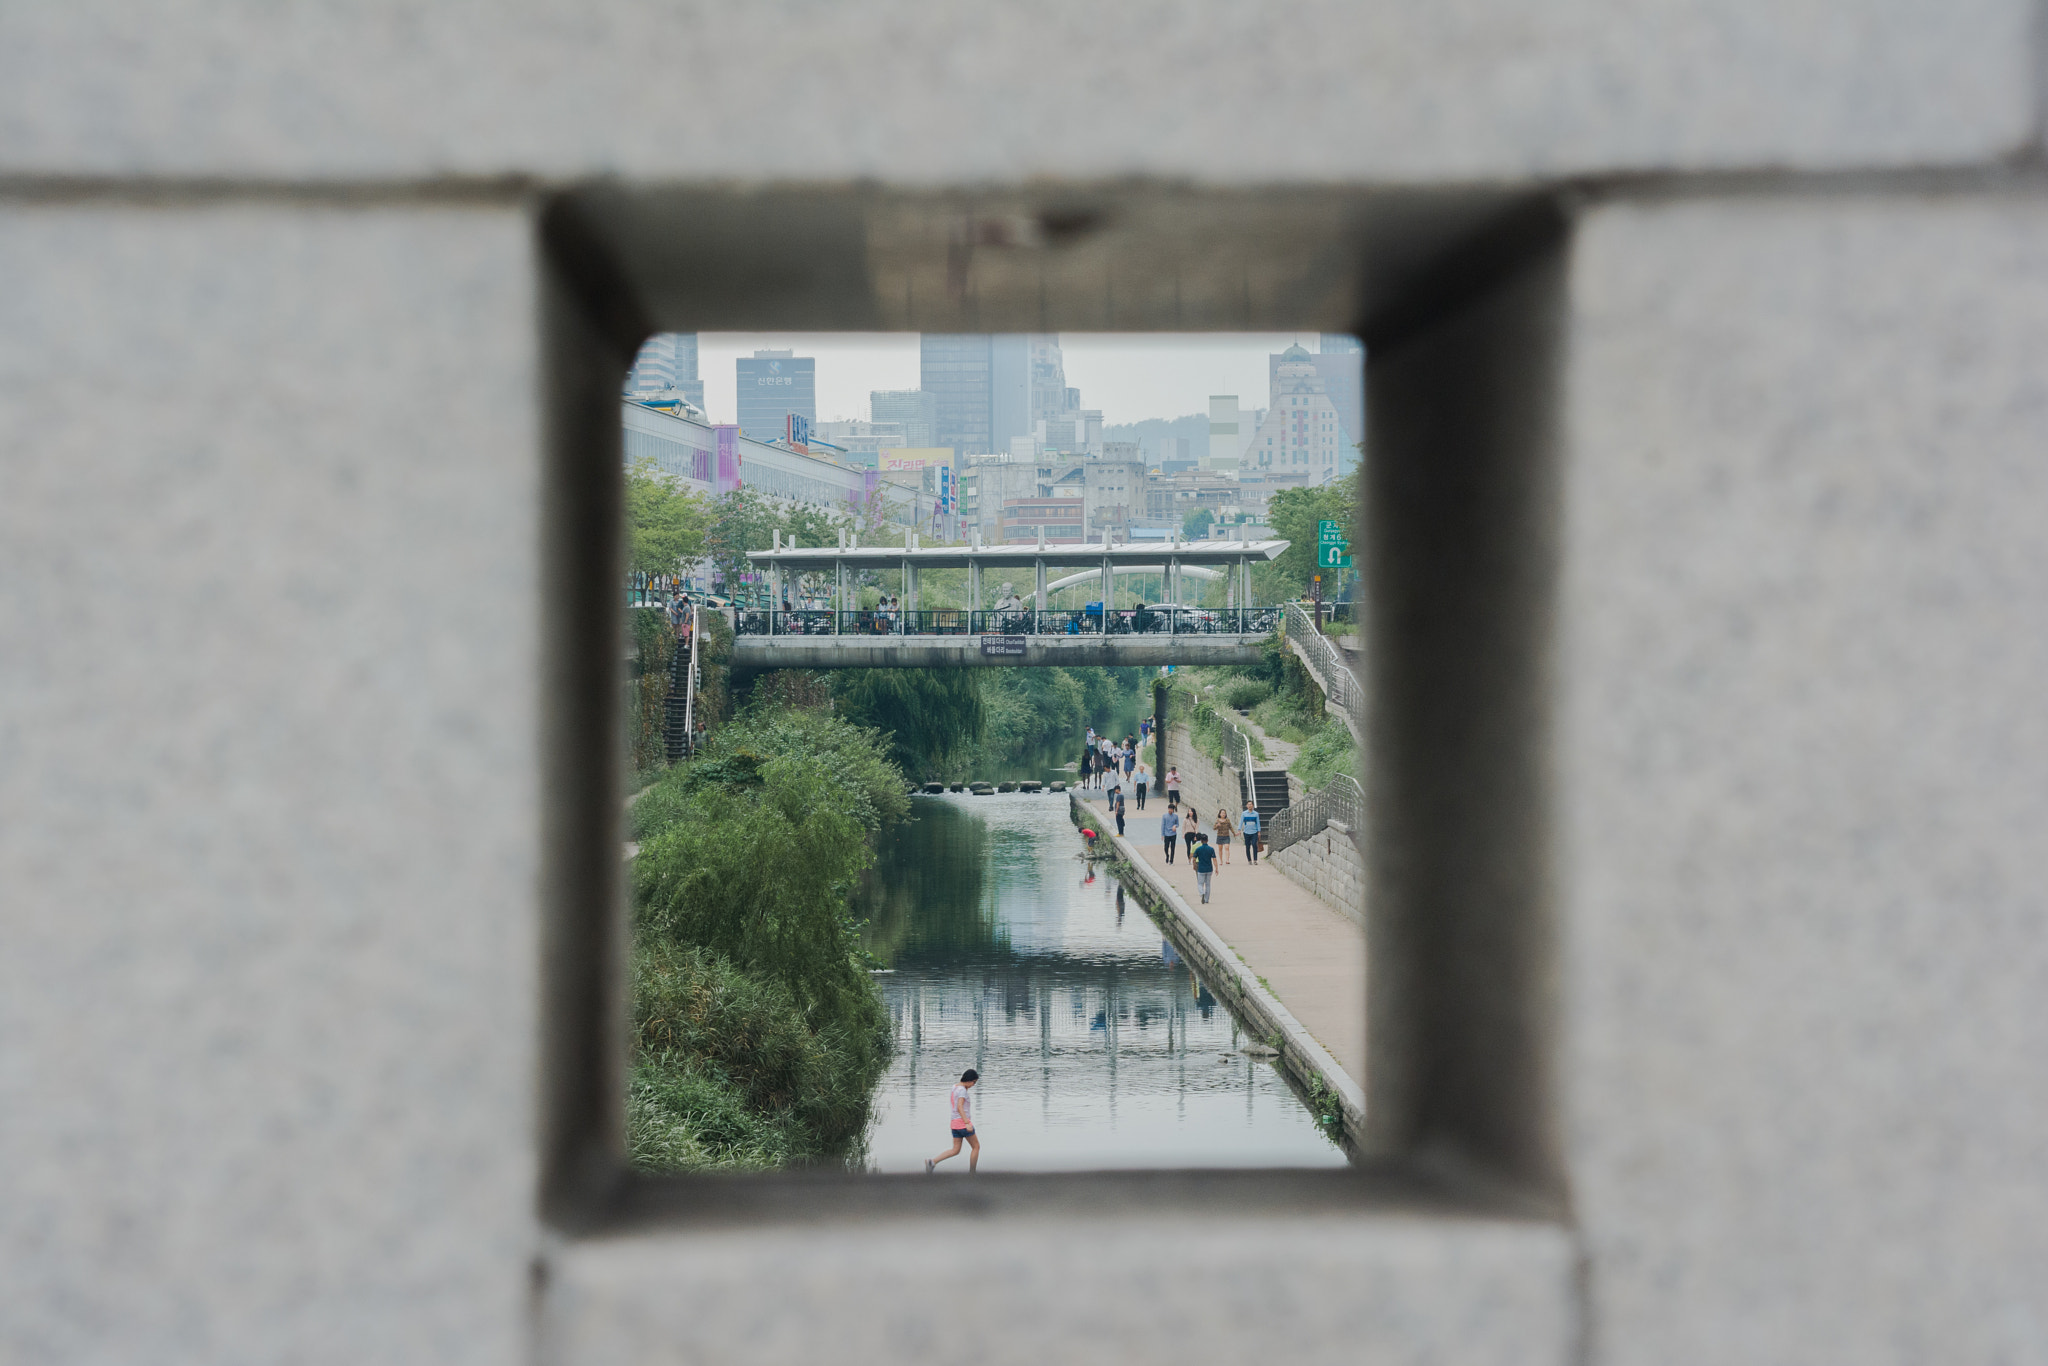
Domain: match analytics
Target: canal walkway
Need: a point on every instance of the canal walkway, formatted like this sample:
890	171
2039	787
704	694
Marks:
1309	957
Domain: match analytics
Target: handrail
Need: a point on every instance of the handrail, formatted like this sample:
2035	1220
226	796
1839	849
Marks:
1342	798
690	687
960	621
1339	684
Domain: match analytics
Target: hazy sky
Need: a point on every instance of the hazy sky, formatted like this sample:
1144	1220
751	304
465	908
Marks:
1129	376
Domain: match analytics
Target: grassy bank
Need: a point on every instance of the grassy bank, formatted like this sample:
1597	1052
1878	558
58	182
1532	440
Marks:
1285	701
758	1033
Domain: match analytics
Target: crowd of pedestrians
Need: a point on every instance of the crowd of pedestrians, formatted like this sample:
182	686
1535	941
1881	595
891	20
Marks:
1111	766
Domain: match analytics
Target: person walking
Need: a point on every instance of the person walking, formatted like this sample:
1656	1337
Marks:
1116	807
1169	830
1224	831
961	1106
1130	755
1087	764
1204	859
1139	778
1191	829
1248	821
1172	785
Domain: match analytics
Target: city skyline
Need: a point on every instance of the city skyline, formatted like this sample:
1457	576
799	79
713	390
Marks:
1128	376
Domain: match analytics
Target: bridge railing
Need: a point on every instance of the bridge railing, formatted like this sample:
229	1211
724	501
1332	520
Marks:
1339	684
1341	799
958	621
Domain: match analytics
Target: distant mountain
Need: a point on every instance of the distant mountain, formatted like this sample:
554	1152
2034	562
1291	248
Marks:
1149	434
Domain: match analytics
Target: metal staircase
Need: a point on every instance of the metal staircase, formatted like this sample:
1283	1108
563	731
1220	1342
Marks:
679	715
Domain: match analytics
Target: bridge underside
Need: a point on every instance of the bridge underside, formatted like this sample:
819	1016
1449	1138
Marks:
965	652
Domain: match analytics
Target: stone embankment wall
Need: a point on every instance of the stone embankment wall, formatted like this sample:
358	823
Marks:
1204	784
1329	866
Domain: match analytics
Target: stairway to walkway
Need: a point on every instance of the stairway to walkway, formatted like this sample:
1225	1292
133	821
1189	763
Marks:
1269	793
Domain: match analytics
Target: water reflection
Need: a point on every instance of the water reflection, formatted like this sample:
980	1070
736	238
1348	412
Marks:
1098	1047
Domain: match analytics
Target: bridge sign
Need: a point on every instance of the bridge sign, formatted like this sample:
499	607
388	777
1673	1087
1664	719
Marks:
1012	646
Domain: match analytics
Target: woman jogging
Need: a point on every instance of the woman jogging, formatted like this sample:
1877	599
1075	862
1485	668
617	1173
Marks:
961	1106
1224	831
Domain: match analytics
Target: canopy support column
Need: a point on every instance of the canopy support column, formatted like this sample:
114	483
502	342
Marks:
973	589
1039	564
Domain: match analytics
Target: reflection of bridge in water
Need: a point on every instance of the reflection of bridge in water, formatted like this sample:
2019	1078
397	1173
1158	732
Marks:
823	629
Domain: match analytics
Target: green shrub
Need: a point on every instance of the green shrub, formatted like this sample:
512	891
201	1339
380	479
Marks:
1245	693
759	1032
1327	753
730	1075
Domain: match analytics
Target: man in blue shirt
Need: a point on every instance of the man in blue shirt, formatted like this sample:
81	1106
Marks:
1169	830
1204	859
1249	823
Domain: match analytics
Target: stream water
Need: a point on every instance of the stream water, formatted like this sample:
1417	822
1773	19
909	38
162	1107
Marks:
1097	1046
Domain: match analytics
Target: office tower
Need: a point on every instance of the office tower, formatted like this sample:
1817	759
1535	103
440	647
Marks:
1225	437
982	387
914	410
667	360
1303	439
773	385
1341	367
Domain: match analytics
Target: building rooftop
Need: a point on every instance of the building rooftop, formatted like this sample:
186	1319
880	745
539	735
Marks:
1018	556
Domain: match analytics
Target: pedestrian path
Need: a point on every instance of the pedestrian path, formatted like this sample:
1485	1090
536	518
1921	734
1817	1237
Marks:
1309	956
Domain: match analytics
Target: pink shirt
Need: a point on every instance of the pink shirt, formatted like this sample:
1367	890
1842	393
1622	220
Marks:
963	1108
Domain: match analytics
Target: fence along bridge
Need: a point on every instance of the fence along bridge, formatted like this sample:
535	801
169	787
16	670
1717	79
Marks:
828	632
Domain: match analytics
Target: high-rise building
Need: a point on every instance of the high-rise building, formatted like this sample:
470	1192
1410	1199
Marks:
1341	366
667	360
1226	441
772	386
914	410
1303	439
988	389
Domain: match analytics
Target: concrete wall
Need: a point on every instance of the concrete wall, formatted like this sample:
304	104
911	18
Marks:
1327	864
1708	344
1204	784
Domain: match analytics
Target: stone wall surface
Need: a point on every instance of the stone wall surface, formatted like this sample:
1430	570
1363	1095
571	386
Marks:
273	634
1328	865
1450	90
1204	785
1127	1290
268	795
1803	771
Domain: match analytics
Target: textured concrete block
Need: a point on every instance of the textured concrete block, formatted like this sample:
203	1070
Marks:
268	784
908	91
1803	766
1172	1291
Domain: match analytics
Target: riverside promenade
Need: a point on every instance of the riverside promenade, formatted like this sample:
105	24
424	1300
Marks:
1278	941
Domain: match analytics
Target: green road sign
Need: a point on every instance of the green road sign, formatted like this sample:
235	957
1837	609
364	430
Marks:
1329	532
1333	556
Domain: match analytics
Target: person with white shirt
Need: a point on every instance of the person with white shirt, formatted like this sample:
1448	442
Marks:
960	1106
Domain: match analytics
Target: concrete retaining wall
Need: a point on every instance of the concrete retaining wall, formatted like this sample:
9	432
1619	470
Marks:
1204	784
1328	865
1257	1008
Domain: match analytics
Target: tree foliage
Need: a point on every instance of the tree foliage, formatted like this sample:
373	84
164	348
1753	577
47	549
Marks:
1195	525
664	522
928	714
1293	514
752	997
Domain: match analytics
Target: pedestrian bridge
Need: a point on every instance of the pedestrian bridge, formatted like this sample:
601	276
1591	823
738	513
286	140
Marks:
827	632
